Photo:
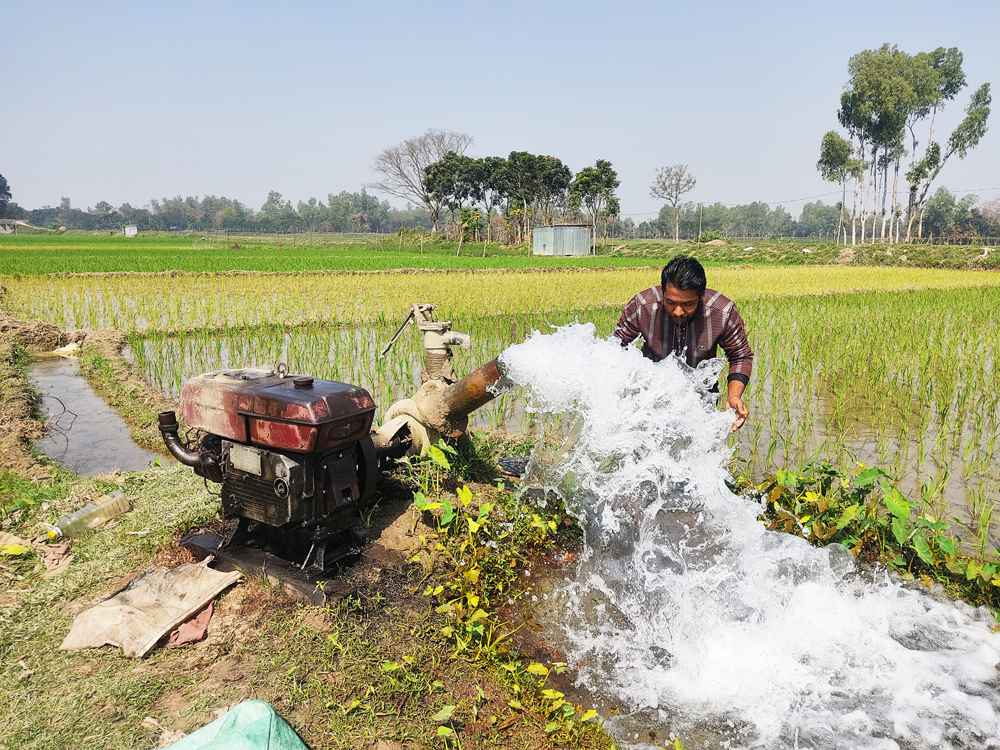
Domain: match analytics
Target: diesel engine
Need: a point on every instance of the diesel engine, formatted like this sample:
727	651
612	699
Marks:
293	454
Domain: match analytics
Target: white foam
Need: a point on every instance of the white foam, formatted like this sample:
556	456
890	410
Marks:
689	615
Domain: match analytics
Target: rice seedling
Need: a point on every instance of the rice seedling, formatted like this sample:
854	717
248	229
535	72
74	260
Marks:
175	302
904	380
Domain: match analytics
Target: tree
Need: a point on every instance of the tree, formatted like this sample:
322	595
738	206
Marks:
964	138
671	184
874	109
403	167
594	187
948	216
453	180
520	180
277	214
554	179
986	218
491	187
5	195
888	94
837	165
819	220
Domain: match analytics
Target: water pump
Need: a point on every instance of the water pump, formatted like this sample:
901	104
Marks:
292	453
296	455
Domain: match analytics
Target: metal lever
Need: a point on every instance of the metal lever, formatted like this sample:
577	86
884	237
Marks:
396	335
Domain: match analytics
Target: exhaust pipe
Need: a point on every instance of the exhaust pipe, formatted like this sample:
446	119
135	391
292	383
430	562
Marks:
202	463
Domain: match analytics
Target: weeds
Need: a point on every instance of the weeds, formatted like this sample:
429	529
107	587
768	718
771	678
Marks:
864	511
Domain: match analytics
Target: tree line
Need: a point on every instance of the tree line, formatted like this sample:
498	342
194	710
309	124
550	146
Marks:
500	197
344	212
889	110
757	219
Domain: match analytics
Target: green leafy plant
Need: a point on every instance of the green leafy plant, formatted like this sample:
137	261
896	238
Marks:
867	513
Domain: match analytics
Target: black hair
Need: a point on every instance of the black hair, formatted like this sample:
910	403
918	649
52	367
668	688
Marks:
684	273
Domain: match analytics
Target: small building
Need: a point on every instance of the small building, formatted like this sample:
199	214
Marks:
561	239
131	230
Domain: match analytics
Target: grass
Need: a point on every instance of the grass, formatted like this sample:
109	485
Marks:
282	253
18	409
101	253
891	366
386	662
114	381
894	379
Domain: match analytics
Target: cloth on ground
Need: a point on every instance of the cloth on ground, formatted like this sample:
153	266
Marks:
252	725
193	630
150	606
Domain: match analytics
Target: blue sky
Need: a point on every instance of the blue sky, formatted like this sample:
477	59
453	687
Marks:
132	101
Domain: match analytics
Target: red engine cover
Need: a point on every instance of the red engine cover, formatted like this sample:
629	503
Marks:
295	413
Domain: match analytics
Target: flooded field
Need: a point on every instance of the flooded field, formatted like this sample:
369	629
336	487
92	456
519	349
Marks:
899	380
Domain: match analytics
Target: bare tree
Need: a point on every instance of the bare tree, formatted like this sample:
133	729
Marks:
670	185
402	167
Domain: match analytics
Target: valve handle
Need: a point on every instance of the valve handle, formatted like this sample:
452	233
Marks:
396	335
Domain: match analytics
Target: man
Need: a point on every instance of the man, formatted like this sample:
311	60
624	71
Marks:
683	318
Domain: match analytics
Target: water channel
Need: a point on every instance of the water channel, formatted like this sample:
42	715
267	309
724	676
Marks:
86	436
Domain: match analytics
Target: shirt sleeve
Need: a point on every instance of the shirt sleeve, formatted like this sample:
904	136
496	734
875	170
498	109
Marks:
627	329
737	348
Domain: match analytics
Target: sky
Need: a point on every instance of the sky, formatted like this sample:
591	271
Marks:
126	102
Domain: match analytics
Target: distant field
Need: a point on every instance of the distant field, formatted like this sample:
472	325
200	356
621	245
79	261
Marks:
85	253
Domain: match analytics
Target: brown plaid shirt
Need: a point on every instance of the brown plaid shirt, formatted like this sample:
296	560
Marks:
715	323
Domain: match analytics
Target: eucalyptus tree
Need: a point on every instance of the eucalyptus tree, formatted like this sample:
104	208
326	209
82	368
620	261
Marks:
890	93
671	184
874	110
402	167
964	138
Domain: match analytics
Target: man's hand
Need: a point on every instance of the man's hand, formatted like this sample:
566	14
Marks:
734	400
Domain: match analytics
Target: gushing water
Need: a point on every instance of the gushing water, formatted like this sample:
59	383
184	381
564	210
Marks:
688	616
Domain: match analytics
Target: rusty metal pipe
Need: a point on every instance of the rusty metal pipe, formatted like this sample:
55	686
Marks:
471	392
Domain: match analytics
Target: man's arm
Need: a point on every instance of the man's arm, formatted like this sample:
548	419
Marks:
627	328
737	348
734	400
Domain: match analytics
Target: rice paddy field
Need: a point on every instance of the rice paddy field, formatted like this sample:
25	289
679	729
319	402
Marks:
889	366
87	253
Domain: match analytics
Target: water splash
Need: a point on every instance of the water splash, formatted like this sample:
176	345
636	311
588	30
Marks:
688	616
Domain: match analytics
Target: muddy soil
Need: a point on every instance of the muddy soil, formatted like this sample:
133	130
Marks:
18	427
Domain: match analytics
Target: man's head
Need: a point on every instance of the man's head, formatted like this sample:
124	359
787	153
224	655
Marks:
683	281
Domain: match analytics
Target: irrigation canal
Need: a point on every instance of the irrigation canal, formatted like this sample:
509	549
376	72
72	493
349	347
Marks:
86	436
